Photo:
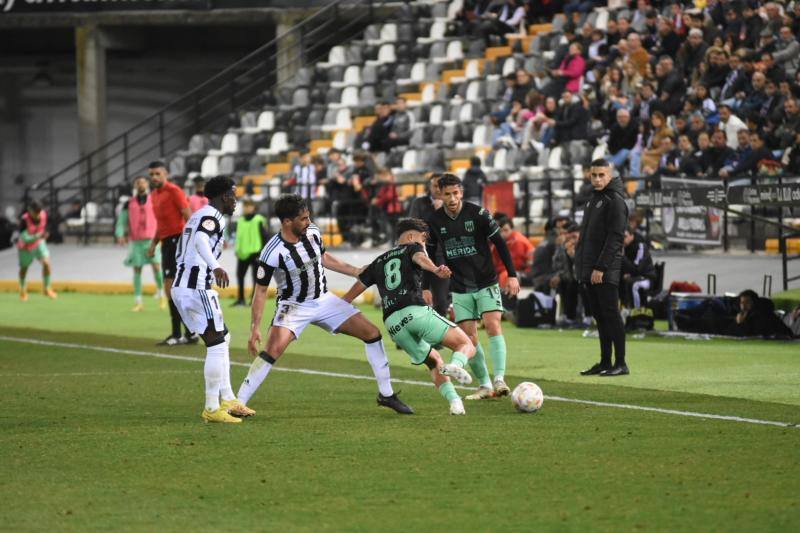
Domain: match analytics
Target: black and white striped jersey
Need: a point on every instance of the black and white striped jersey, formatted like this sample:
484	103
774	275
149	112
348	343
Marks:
299	274
202	236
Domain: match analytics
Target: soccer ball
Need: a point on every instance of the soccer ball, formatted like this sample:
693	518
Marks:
527	397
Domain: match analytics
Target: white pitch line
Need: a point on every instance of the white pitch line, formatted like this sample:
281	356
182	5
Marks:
307	371
88	374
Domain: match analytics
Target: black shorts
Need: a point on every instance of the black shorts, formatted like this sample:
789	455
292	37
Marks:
169	266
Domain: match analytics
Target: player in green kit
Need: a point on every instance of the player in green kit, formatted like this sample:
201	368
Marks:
464	231
411	323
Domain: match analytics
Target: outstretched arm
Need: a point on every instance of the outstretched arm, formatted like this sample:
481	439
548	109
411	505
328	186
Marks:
337	265
425	263
354	292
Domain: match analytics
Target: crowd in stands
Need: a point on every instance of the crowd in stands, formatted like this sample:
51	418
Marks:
668	87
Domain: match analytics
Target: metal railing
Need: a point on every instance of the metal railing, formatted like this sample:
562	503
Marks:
208	107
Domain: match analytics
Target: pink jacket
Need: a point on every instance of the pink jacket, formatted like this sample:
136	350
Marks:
33	228
141	219
573	68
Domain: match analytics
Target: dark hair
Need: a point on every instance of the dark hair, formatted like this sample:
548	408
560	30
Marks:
289	206
199	180
600	163
218	186
35	205
140	177
449	180
749	293
572	226
503	220
156	164
411	224
475	161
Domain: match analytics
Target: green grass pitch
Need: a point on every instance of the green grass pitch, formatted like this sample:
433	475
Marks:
98	440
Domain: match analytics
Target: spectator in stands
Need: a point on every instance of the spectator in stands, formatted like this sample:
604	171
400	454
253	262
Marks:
731	125
520	248
671	87
637	54
346	188
787	50
569	73
303	179
701	153
702	102
670	159
474	181
638	271
653	147
716	70
688	164
755	95
563	280
505	19
735	84
791	157
789	124
757	318
571	121
753	24
584	194
692	52
542	268
622	138
667	41
402	125
720	155
385	207
198	198
378	139
747	165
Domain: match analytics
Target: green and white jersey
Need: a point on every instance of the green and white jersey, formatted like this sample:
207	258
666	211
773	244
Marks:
465	241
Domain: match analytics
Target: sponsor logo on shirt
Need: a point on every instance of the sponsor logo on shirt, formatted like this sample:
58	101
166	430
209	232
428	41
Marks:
394	330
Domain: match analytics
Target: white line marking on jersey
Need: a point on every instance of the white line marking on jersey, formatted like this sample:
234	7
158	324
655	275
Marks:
308	371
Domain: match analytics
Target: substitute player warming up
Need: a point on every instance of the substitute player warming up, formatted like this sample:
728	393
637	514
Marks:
410	322
197	256
464	230
298	260
32	244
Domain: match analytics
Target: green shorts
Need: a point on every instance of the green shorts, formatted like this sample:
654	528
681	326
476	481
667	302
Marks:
472	305
26	257
416	329
137	254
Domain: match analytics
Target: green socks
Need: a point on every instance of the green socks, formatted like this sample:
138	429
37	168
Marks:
22	284
46	280
448	391
137	285
479	369
159	279
497	350
458	359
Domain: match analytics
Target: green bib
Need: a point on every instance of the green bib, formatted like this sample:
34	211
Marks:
248	236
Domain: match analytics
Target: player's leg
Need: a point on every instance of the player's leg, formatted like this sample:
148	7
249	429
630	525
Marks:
25	259
359	327
443	384
477	363
253	273
47	271
278	339
437	330
490	308
137	289
158	276
465	309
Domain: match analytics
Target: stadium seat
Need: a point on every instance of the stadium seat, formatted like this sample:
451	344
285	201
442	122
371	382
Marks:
210	167
472	69
352	76
455	51
410	161
388	33
336	56
227	165
453	8
436	32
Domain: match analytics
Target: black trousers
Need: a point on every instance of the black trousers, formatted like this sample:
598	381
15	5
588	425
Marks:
440	290
568	290
603	300
241	271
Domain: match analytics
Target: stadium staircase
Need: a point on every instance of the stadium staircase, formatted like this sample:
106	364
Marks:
246	124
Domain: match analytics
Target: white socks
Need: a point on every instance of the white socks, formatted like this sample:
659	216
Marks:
255	377
213	370
225	390
376	355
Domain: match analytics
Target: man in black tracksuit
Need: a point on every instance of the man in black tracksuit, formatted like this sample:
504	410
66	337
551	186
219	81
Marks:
598	262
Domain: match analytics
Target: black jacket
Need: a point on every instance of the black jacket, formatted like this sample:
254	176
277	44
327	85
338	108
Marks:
602	233
474	181
619	137
572	121
636	259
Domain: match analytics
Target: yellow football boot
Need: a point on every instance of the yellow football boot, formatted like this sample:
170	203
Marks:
23	295
236	408
50	293
220	415
162	302
138	308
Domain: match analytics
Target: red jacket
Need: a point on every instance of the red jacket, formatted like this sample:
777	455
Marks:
388	200
521	254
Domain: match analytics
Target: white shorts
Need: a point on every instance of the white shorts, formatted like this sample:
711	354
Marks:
199	309
328	312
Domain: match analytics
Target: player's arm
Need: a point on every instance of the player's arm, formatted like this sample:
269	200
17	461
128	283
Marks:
182	204
425	263
337	265
354	292
512	286
202	242
263	277
121	229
